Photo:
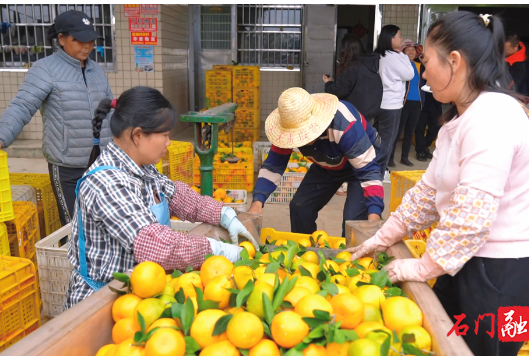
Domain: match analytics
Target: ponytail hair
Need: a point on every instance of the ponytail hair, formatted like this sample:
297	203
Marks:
97	122
480	39
142	107
52	35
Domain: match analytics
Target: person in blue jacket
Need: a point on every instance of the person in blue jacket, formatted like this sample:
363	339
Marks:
67	87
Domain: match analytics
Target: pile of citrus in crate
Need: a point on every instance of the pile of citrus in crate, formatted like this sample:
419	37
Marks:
288	301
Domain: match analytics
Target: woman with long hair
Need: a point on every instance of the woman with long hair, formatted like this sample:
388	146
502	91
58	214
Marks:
395	70
357	78
475	187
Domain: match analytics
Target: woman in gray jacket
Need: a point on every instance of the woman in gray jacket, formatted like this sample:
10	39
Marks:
67	88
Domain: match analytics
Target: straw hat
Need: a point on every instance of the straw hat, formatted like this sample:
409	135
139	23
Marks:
300	118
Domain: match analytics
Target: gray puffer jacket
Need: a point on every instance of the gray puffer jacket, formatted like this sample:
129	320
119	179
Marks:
55	84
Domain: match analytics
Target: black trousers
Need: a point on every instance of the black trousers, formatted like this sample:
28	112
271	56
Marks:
482	286
430	119
387	124
408	122
64	180
316	190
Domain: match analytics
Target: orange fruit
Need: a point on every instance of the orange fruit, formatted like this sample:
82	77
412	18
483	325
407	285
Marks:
400	312
366	262
311	257
313	268
228	200
162	323
104	349
369	294
242	275
196	189
306	305
337	350
234	310
203	325
249	247
147	279
223	348
338	279
216	290
346	256
348	309
123	307
151	309
331	264
188	282
265	348
124	329
213	267
353	282
365	328
128	348
166	342
305	242
269	278
309	283
111	351
320	237
245	330
219	193
314	350
288	329
296	294
423	341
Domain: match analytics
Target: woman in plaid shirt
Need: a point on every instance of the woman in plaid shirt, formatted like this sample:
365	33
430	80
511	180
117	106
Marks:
124	204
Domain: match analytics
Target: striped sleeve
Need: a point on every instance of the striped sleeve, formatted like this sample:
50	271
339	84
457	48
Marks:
357	147
270	174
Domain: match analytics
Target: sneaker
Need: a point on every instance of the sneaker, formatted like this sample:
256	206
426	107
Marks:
342	191
391	163
421	156
406	162
387	177
428	154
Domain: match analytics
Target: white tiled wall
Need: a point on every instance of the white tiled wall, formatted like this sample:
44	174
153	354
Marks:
404	16
170	65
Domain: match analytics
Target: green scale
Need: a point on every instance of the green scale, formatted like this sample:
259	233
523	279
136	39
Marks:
207	126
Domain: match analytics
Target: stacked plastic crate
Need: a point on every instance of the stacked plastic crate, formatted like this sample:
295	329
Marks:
246	82
218	88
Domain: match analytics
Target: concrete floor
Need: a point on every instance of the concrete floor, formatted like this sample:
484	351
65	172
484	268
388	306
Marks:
275	215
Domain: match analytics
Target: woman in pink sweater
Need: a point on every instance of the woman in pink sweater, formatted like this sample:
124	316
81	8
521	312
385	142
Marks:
476	186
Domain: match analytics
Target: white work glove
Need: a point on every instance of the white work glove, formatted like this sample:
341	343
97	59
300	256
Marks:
229	221
230	251
413	270
391	232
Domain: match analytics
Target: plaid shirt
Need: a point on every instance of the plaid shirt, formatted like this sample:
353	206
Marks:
121	230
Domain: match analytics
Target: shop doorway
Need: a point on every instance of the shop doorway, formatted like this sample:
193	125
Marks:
358	20
325	26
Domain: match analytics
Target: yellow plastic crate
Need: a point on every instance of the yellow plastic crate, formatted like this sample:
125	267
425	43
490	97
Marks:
247	97
23	231
223	67
218	80
248	118
524	351
217	98
236	150
246	76
417	248
270	234
6	204
227	144
46	201
229	175
177	164
401	182
19	310
241	135
4	241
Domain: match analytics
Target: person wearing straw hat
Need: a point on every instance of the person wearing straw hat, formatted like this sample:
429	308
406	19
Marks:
342	146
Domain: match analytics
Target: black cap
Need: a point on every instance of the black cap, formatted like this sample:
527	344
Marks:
77	24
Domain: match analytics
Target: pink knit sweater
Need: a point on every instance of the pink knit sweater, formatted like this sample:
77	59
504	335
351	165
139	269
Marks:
487	149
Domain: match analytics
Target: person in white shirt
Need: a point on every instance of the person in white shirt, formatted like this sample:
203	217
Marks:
395	69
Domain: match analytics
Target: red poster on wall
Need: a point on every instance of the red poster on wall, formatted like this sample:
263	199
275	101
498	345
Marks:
149	9
143	24
143	38
131	10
